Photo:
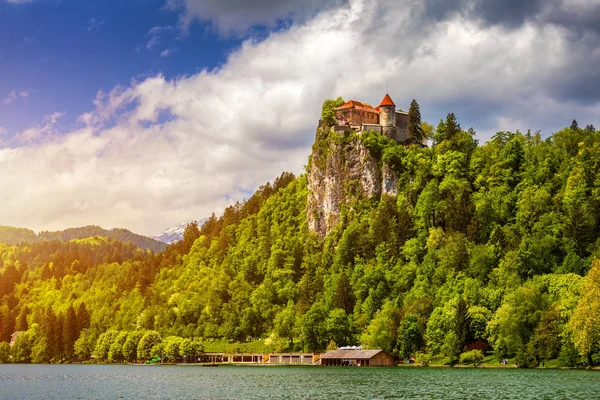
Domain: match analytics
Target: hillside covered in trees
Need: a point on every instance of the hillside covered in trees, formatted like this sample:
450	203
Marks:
487	247
13	236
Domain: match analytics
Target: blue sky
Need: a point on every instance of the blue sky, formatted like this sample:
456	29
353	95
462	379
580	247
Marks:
145	113
62	52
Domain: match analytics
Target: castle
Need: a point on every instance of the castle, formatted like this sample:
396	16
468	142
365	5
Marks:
383	119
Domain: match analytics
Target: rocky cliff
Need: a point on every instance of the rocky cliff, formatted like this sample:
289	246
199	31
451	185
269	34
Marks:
343	169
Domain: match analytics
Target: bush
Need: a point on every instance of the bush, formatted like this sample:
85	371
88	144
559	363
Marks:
4	352
422	359
474	357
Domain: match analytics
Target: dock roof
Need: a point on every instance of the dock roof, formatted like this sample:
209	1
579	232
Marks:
351	354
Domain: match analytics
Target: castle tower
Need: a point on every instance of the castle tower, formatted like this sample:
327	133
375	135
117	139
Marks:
387	117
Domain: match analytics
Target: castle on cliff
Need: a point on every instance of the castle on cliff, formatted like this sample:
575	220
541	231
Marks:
384	119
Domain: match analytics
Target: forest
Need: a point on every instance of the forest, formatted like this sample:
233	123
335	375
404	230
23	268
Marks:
487	248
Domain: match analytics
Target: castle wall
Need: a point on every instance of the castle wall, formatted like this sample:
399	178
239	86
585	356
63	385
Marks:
355	116
402	127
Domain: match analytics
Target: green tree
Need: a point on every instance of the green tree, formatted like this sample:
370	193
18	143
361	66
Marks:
69	332
146	343
314	329
328	110
344	297
104	343
171	345
131	344
338	327
115	352
85	344
380	333
574	125
4	352
285	323
584	322
191	348
415	129
410	337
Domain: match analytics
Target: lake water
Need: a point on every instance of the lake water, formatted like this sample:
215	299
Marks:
255	382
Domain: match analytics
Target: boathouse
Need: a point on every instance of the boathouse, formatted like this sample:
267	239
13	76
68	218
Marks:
358	358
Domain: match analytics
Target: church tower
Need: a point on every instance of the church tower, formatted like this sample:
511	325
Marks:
387	117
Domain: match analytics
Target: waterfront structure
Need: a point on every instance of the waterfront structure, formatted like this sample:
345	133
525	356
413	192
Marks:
258	358
358	358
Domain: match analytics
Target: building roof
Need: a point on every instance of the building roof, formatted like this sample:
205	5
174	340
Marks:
387	101
358	105
351	354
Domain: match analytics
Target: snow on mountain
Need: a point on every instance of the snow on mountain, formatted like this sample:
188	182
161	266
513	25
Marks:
175	233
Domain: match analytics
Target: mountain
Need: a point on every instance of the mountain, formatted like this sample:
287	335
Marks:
175	233
11	235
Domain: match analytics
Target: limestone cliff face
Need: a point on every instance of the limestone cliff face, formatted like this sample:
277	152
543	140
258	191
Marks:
342	169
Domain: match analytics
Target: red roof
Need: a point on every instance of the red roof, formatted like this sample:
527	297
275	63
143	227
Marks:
387	101
358	105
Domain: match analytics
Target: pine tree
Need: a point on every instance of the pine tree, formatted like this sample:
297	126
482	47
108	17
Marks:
7	323
22	320
463	321
574	125
415	130
344	298
69	332
590	128
51	332
83	318
452	127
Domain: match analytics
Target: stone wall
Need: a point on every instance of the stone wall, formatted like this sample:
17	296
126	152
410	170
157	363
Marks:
402	127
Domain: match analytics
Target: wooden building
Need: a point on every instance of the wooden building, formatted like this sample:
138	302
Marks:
359	358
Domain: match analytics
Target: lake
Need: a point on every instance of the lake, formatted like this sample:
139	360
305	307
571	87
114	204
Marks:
260	382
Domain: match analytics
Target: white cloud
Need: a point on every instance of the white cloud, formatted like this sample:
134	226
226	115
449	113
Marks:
94	24
163	151
157	35
38	134
13	96
166	53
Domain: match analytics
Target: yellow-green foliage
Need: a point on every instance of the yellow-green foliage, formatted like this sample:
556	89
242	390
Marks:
483	247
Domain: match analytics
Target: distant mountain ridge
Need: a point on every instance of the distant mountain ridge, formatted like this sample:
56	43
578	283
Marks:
175	233
12	236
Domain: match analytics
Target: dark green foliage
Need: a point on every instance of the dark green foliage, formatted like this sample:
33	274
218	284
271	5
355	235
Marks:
574	125
410	336
344	298
415	130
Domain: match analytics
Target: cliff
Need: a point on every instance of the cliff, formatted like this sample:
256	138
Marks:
342	168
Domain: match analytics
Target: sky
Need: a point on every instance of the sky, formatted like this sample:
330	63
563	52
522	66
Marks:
142	114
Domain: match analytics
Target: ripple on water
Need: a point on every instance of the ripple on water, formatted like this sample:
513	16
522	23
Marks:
172	382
